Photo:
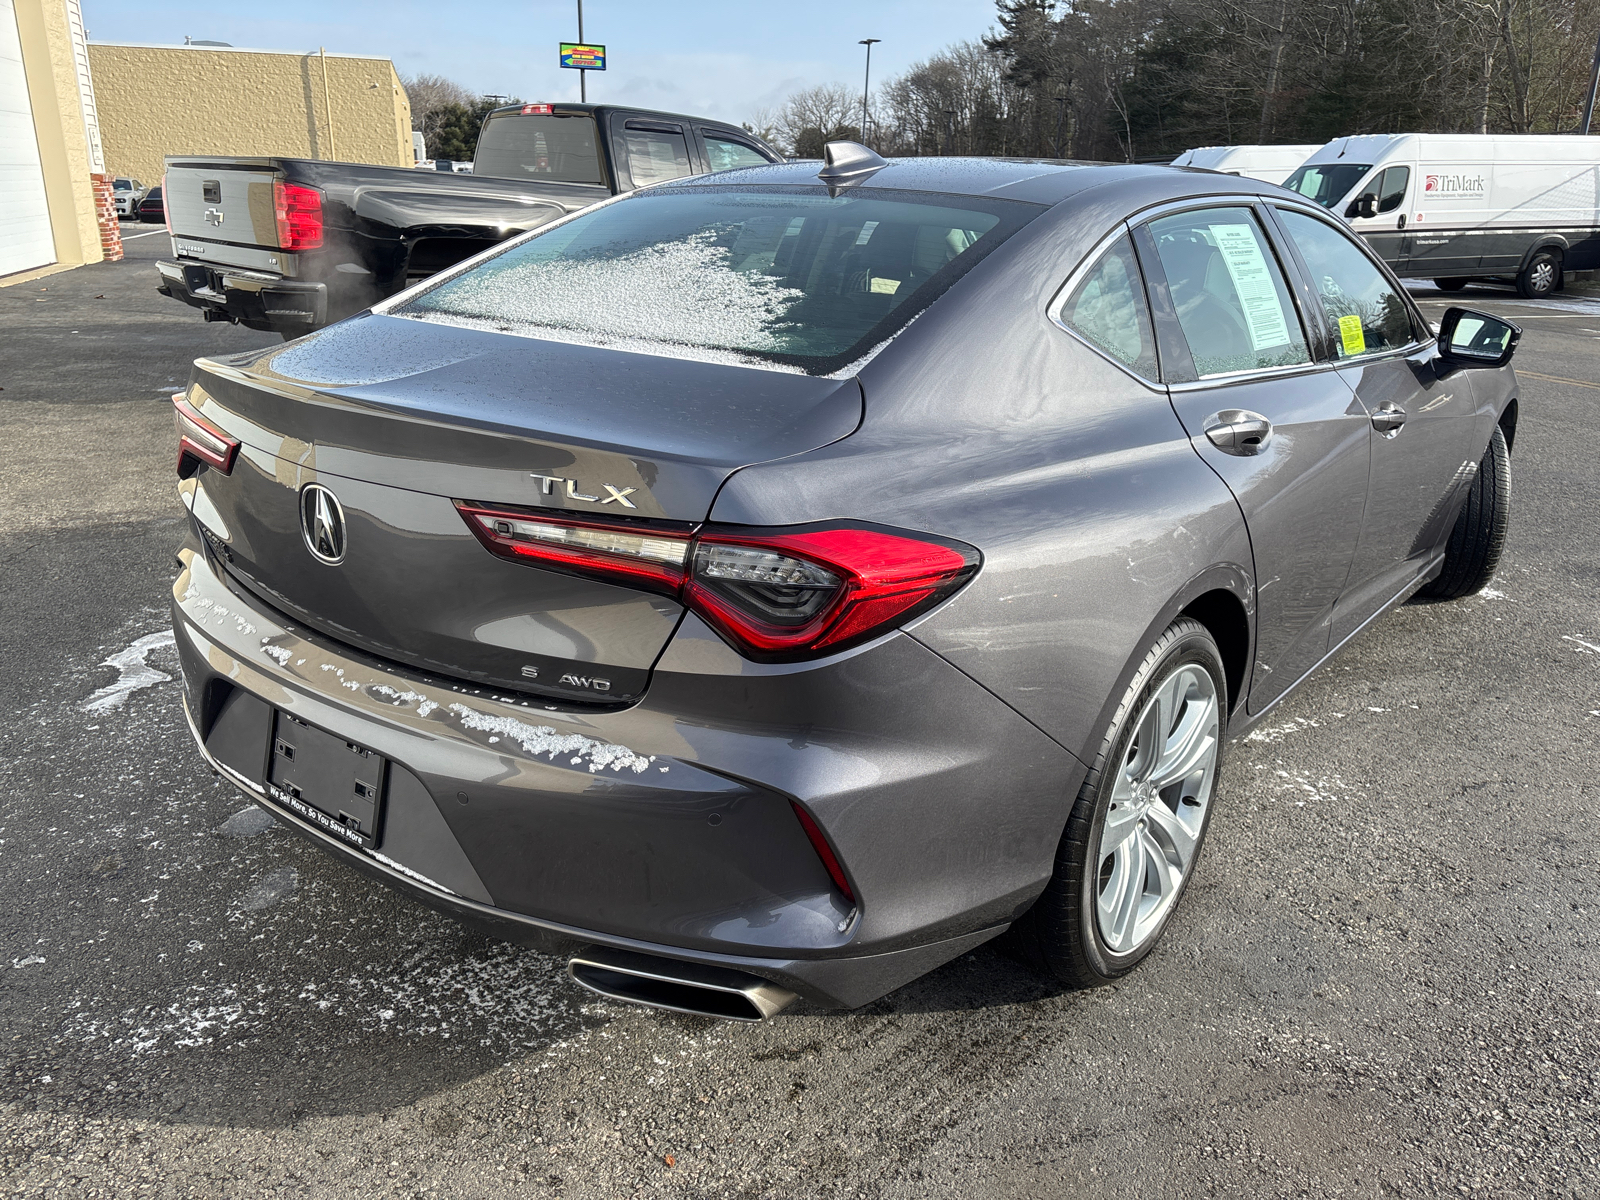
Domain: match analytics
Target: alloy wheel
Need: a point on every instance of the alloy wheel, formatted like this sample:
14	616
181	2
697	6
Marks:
1156	815
1542	275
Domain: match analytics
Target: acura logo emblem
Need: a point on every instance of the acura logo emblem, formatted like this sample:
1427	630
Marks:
322	524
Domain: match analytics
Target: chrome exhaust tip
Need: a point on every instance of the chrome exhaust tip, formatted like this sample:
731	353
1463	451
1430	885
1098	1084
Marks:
694	988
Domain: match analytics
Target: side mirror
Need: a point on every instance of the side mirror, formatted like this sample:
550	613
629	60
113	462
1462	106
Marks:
1475	339
1364	205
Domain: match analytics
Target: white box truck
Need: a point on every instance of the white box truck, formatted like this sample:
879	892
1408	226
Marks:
1271	164
1457	207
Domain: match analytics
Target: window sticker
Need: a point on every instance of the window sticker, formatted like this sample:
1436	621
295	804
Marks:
1252	280
1351	334
866	233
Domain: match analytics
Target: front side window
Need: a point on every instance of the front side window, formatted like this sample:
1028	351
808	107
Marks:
727	155
1108	310
655	156
1364	310
539	146
1231	300
122	185
788	276
1326	183
1392	188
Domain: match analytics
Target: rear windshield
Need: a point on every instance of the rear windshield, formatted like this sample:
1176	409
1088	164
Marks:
787	276
555	148
1326	183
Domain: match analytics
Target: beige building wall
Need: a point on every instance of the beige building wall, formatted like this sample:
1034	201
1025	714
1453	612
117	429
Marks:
159	100
56	95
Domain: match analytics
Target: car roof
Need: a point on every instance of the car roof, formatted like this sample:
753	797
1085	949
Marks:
1036	180
563	108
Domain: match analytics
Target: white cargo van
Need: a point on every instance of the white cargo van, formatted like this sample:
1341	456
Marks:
1271	164
1455	207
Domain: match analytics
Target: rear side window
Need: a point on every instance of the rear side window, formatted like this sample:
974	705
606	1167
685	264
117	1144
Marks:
1232	303
788	276
1365	312
535	146
655	155
728	155
1392	188
1108	310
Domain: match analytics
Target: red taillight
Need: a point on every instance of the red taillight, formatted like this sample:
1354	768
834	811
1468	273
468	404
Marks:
642	557
775	595
824	851
199	441
529	110
799	595
299	213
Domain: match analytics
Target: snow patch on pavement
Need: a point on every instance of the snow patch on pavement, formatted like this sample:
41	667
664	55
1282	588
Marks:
134	673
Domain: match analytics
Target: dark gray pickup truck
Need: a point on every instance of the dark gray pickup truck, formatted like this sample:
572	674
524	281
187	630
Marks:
291	244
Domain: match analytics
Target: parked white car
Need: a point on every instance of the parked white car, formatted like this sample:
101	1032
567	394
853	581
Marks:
1270	164
1454	207
126	192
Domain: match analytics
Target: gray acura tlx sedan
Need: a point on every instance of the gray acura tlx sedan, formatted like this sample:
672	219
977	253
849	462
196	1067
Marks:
780	582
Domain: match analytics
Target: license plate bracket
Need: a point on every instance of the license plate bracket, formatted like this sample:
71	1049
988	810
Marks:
335	784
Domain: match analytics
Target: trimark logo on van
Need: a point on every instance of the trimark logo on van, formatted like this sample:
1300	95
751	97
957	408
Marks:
1455	187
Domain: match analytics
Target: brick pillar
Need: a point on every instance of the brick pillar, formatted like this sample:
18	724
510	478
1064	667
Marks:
105	211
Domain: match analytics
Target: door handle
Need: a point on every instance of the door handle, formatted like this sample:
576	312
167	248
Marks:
1388	418
1235	431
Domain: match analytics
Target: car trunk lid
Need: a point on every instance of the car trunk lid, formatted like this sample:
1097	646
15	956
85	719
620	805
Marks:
401	418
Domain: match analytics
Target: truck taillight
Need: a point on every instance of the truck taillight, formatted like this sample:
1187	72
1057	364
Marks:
199	441
299	213
166	206
776	595
537	109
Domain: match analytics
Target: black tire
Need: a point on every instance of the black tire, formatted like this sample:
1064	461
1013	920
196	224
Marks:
1541	276
1479	536
1060	935
1449	285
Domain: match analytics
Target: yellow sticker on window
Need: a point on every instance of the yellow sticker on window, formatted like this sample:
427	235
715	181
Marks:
885	287
1350	333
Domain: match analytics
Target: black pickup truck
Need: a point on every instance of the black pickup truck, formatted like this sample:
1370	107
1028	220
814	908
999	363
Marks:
291	244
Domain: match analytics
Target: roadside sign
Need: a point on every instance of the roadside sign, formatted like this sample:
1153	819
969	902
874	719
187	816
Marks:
578	56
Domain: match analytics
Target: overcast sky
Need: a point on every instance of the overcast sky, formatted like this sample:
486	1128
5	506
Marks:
717	58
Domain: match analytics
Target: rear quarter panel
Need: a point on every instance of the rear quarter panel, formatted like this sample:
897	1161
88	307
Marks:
987	422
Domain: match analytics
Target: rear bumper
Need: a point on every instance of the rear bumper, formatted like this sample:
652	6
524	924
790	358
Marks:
251	298
667	828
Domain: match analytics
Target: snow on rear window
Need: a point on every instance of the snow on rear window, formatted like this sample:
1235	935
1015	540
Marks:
793	277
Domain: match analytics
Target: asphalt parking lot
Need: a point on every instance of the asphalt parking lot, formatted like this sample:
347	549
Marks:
1385	981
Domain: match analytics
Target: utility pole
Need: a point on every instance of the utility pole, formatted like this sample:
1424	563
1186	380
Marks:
583	76
866	84
1594	79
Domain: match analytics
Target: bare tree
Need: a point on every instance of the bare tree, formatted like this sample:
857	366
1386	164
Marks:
1124	79
825	113
431	99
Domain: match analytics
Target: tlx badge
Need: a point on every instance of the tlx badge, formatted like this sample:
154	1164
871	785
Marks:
557	485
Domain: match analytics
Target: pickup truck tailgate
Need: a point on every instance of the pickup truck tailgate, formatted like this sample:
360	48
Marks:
223	213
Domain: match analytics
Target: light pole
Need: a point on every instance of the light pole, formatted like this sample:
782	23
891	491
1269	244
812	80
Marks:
1594	82
866	83
583	76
